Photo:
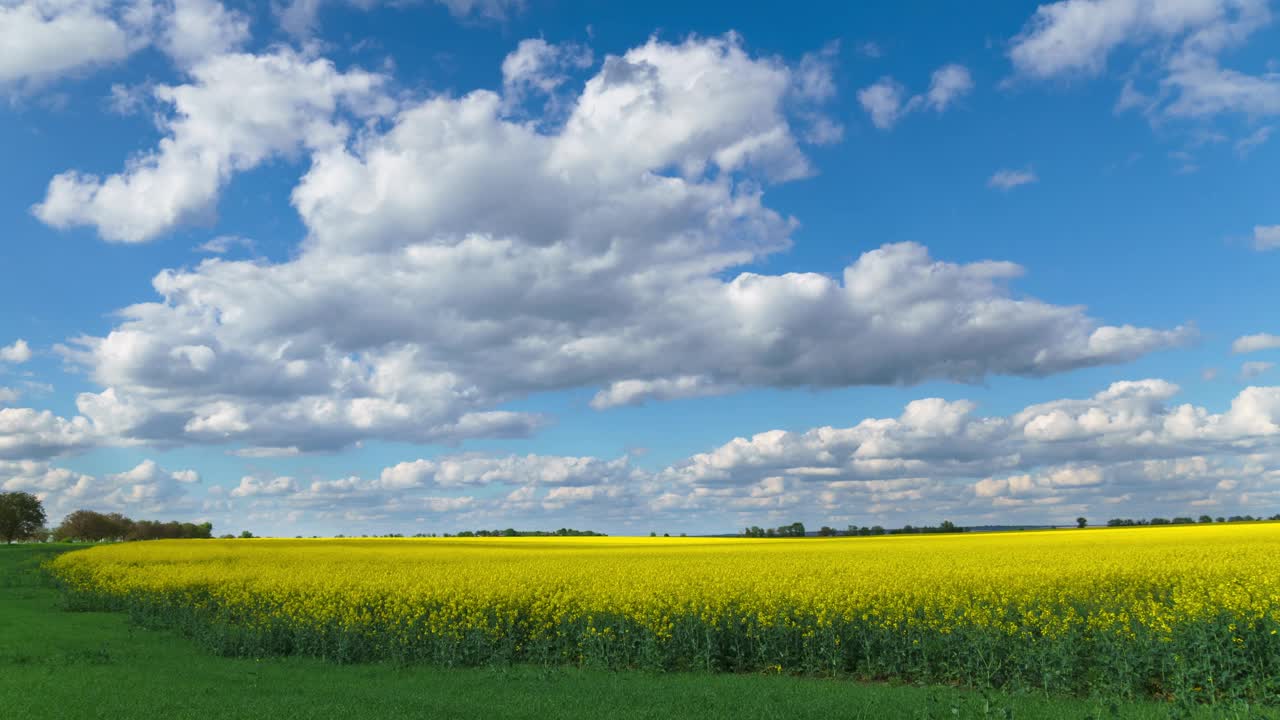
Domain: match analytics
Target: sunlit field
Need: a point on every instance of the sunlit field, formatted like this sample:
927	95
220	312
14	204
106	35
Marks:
1164	611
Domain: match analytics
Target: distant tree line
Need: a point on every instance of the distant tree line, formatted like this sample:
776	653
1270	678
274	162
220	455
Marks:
946	526
90	526
797	530
512	532
1203	519
793	530
22	518
864	531
509	532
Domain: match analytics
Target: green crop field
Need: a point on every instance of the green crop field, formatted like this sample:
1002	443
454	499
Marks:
67	665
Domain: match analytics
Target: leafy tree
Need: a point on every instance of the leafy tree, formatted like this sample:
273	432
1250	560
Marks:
1082	523
21	515
93	526
795	529
246	534
90	526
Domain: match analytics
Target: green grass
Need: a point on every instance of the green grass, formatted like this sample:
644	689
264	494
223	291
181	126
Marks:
68	665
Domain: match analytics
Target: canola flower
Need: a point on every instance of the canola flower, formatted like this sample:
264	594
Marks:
1132	611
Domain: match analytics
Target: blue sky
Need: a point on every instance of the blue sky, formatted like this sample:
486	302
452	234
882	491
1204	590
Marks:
422	266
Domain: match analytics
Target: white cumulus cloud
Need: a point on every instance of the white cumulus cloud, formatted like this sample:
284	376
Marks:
17	353
1266	237
238	111
1184	40
604	251
1009	179
887	102
1254	343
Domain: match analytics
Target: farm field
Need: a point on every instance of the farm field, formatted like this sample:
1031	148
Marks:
71	665
1189	613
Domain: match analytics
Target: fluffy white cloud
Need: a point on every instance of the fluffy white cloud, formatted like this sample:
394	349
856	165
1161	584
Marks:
47	39
1079	35
1254	343
465	470
814	78
597	254
1185	38
539	67
145	489
238	111
224	244
1266	237
947	85
1009	179
128	99
251	486
199	29
886	100
937	439
1125	446
43	39
26	433
814	84
1068	476
313	354
635	392
16	353
1203	88
57	488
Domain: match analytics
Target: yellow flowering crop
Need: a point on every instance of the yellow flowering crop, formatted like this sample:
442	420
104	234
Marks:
1134	609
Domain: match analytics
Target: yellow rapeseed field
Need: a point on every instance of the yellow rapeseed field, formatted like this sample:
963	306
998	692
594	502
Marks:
1140	610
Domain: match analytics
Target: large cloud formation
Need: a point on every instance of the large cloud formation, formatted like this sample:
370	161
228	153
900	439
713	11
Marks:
47	39
458	257
146	488
238	111
1127	450
1186	39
